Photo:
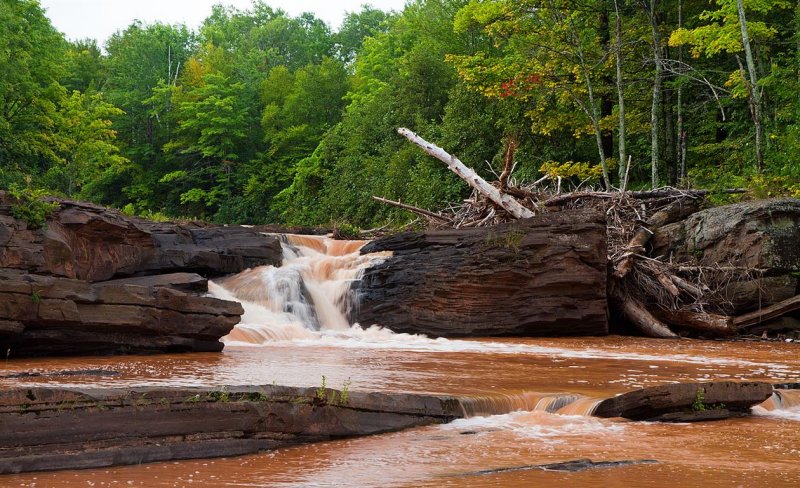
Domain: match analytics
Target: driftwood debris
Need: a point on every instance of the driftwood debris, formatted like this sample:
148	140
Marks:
661	297
419	211
768	313
674	211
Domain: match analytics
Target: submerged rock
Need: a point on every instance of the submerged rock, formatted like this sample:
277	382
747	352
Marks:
568	466
543	276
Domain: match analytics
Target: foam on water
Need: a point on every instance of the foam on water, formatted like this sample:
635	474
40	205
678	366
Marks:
538	425
307	300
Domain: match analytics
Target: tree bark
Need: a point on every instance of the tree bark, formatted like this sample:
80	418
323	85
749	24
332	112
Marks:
768	313
620	97
638	315
506	202
412	209
718	325
654	109
752	87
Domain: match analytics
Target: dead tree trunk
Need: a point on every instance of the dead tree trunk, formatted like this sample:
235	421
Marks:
506	202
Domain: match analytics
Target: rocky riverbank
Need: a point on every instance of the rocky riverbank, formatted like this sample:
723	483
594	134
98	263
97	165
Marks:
95	281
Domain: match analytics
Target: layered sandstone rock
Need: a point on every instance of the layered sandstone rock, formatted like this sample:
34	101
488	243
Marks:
543	276
94	243
95	281
46	315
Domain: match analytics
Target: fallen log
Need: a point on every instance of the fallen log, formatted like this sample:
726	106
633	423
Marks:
504	201
676	210
718	325
640	317
767	313
642	195
419	211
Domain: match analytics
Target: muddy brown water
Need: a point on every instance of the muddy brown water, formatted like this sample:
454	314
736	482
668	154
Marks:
762	450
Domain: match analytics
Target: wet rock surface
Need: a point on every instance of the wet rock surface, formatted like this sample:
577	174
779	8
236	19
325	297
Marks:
48	429
95	281
61	316
686	401
542	276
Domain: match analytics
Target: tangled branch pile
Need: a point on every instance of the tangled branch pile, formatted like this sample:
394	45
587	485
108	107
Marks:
660	297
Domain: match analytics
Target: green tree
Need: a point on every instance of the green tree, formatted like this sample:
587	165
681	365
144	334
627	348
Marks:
86	144
31	51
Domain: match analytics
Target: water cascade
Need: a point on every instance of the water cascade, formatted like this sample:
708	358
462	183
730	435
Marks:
783	404
308	295
502	403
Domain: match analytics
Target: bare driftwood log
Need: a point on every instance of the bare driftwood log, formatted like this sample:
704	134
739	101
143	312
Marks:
768	313
718	325
636	312
506	202
674	211
642	195
412	209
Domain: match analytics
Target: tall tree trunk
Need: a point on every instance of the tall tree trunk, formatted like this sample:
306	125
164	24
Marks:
654	109
623	157
681	149
752	87
606	102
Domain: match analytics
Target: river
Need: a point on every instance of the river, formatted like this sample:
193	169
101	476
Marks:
510	379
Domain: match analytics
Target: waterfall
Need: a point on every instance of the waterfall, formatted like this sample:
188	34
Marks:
308	294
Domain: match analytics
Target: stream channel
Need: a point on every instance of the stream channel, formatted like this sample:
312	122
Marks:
295	332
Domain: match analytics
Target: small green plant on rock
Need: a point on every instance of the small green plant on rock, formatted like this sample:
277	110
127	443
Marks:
511	239
320	393
31	206
222	395
699	397
345	396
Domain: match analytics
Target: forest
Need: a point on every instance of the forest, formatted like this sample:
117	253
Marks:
261	117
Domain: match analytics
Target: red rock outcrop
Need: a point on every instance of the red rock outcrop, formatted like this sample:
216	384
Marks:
94	243
543	276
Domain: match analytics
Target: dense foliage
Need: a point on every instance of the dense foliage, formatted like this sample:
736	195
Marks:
262	117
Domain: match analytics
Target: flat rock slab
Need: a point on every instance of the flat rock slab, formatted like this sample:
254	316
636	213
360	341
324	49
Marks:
677	402
44	429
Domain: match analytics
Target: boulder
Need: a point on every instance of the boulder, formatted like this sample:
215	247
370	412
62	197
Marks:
48	429
543	276
687	400
761	235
